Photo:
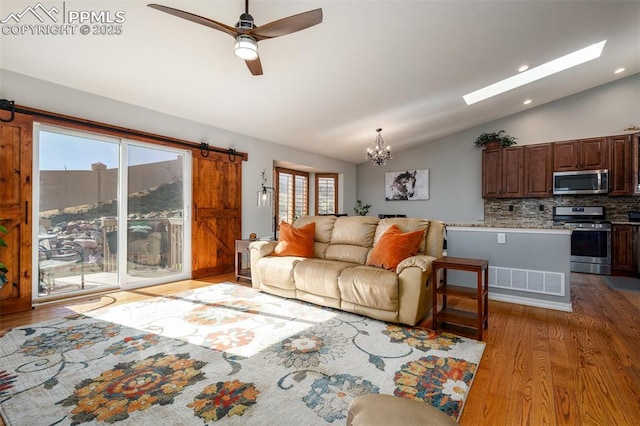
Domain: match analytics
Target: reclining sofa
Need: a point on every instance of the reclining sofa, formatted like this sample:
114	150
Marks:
337	273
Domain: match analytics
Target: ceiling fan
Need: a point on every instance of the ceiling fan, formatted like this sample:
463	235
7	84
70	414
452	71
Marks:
247	34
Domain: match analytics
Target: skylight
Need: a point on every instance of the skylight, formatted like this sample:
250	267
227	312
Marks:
560	64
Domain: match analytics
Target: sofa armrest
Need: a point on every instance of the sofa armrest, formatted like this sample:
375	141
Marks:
258	250
414	280
262	248
421	261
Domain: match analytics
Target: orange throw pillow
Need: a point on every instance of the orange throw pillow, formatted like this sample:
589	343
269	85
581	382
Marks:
296	241
394	246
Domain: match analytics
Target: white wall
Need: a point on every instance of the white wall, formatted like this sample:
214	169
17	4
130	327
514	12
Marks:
47	96
455	166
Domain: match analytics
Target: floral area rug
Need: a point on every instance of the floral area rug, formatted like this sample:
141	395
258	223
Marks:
224	354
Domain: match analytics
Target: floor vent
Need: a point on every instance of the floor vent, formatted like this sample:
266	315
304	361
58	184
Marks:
543	282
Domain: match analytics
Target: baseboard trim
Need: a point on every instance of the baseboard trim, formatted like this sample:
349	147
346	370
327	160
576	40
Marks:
558	306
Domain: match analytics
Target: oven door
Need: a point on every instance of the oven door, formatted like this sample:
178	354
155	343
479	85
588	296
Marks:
591	251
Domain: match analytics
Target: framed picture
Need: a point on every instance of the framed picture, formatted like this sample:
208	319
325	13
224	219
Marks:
407	185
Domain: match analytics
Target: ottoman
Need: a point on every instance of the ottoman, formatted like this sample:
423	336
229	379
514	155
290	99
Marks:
382	410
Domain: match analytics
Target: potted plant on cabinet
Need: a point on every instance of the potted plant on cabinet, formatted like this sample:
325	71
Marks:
494	140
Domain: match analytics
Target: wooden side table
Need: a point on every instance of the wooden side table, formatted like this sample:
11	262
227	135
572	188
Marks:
243	260
463	322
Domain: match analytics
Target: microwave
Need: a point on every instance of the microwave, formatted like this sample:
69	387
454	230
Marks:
581	182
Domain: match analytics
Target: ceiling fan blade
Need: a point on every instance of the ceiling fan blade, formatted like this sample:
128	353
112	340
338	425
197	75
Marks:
197	19
254	66
287	25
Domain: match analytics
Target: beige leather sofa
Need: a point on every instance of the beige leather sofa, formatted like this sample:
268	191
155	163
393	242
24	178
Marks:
338	276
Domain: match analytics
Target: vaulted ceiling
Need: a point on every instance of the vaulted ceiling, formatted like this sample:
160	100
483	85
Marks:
400	65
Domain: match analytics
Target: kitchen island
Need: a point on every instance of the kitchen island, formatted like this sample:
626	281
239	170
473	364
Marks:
528	266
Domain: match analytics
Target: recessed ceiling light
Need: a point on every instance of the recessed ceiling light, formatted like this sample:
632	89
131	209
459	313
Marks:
619	70
560	64
527	102
523	68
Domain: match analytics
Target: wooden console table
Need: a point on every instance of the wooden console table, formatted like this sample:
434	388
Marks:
243	267
463	322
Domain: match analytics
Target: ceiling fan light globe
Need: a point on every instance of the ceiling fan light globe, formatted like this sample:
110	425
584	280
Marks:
246	48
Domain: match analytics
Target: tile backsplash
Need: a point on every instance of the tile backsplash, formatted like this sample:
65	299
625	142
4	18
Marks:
538	212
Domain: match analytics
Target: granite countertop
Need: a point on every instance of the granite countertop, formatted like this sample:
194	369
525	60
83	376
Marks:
529	229
528	225
507	226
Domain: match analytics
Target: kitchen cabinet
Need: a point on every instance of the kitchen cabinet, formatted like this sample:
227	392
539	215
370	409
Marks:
584	154
623	251
538	161
565	156
635	163
620	174
503	172
491	173
527	171
515	172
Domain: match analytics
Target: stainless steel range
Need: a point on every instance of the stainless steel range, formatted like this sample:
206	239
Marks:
590	239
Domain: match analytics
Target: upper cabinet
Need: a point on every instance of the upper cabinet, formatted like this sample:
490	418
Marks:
620	166
503	172
566	156
527	171
516	172
594	154
538	170
635	163
584	154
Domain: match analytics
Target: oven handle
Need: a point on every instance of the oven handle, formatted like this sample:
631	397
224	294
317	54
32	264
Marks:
591	229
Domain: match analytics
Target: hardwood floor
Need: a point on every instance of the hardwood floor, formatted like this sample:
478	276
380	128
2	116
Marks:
540	367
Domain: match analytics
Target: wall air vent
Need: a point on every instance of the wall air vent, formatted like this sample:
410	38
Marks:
543	282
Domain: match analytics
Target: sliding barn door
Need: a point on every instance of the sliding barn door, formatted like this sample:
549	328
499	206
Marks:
217	193
15	210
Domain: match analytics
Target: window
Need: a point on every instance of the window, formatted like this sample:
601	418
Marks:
326	193
292	194
110	214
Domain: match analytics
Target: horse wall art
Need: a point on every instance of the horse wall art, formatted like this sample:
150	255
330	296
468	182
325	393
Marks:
407	185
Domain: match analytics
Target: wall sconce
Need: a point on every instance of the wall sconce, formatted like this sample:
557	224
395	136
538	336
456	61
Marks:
265	196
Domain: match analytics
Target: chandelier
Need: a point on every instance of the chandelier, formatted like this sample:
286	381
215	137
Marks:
379	153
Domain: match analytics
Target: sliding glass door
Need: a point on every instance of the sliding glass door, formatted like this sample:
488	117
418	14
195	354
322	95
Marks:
109	213
156	208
